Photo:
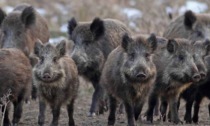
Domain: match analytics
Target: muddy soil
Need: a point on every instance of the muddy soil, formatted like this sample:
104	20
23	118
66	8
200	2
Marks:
31	110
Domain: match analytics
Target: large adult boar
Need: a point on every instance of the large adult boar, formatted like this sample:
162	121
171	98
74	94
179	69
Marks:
56	78
15	76
128	75
194	27
22	27
189	26
176	70
93	41
201	51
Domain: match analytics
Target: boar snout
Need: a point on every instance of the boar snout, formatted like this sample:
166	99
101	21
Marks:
203	75
196	77
46	76
141	76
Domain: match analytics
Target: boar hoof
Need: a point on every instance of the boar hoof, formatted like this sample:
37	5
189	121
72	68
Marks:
15	124
188	119
7	124
93	114
150	119
195	119
178	121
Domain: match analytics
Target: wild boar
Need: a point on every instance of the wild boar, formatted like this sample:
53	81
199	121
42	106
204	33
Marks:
176	70
56	78
128	75
22	27
93	41
15	77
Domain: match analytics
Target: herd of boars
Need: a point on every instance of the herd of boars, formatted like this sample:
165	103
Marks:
123	68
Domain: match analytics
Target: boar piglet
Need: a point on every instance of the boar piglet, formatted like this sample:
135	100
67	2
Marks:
176	70
15	82
56	78
128	75
93	41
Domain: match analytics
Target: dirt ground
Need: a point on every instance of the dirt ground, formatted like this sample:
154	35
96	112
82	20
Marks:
31	110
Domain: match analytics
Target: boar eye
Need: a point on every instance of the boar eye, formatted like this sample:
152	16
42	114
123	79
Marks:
55	59
41	59
147	55
18	33
181	57
131	56
199	33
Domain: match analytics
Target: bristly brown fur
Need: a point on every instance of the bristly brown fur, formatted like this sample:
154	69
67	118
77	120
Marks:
120	82
30	23
15	75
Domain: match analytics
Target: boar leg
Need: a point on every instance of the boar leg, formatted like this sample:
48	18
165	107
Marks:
188	115
151	105
56	114
18	109
173	101
209	108
156	111
70	109
197	103
6	115
103	104
138	109
95	99
112	111
42	108
130	114
169	112
34	92
121	108
178	103
163	109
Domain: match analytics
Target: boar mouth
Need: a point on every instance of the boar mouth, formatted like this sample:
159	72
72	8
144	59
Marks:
54	78
183	79
135	79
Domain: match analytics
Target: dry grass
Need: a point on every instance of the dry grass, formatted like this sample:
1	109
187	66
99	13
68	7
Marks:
154	19
4	104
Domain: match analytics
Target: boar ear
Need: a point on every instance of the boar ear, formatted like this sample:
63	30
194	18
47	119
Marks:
71	25
2	16
97	28
125	41
172	45
152	41
189	19
28	16
61	47
207	46
38	47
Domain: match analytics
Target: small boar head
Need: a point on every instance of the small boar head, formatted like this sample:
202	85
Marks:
49	68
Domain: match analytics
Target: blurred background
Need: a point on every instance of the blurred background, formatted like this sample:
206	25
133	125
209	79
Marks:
141	16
